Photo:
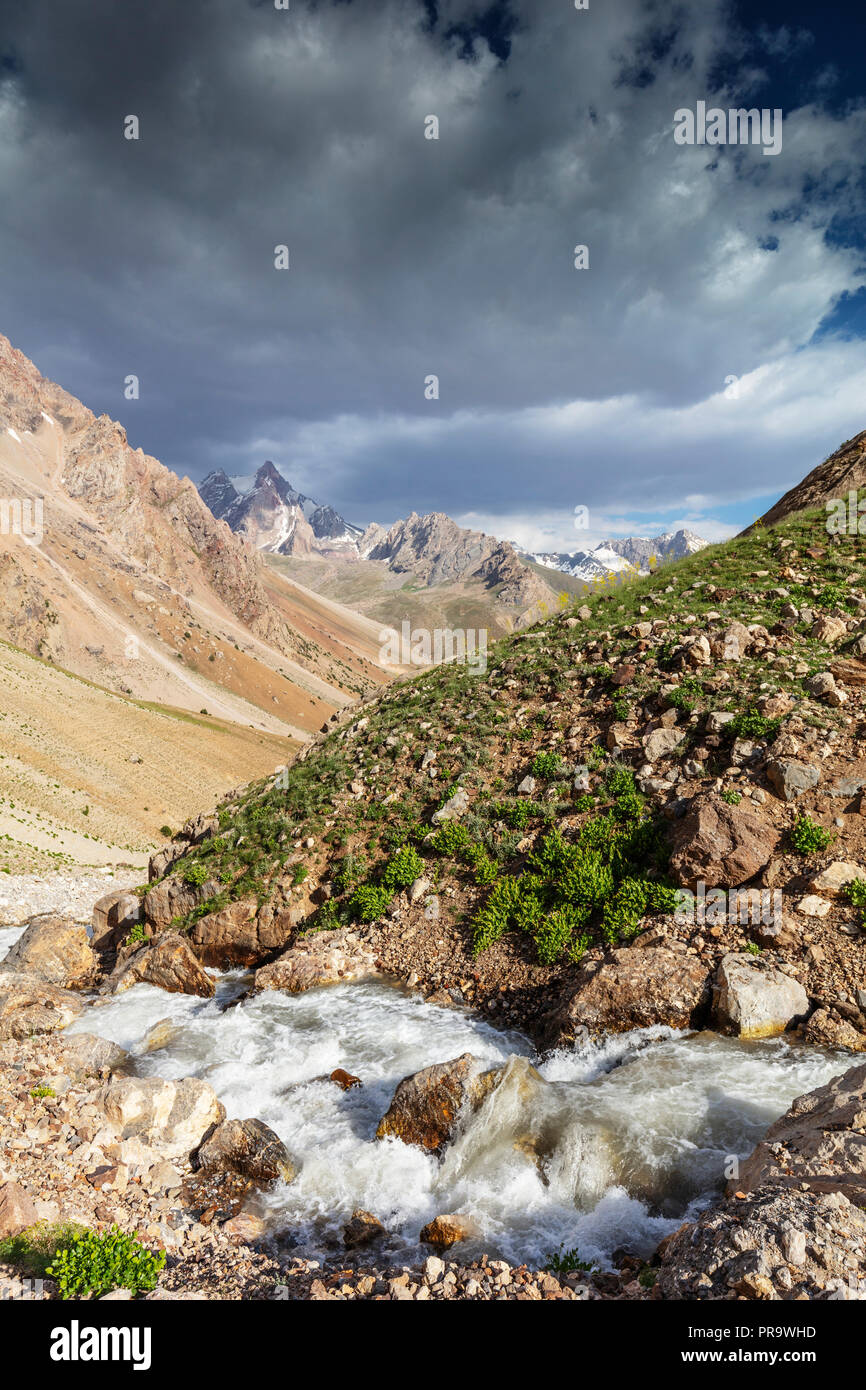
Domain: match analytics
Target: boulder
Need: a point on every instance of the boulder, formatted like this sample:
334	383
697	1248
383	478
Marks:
249	1148
448	1229
820	1140
456	806
17	1210
780	1245
173	898
113	917
84	1055
361	1229
167	962
29	1004
172	1117
826	1028
790	778
241	935
751	1002
425	1106
323	958
719	844
661	743
55	949
832	881
633	987
828	629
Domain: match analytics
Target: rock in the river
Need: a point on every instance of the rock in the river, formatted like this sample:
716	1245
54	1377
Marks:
55	949
250	1148
825	1028
172	1117
752	1002
361	1229
633	987
425	1106
820	1140
29	1004
324	958
242	934
448	1229
168	962
84	1055
719	844
17	1210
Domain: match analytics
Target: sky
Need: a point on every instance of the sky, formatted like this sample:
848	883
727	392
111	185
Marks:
711	352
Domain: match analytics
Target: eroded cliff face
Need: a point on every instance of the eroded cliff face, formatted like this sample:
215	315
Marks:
147	511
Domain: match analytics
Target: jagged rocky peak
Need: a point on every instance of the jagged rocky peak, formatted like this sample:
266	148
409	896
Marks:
218	492
272	515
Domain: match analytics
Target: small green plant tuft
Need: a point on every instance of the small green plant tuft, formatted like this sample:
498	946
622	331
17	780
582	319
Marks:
547	766
369	901
807	837
95	1263
403	868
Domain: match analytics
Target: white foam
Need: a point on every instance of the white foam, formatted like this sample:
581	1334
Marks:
612	1145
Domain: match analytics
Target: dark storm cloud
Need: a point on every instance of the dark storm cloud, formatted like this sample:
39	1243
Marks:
410	256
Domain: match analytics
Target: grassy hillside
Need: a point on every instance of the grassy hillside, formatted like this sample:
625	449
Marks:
573	858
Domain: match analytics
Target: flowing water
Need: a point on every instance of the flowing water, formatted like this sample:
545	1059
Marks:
612	1144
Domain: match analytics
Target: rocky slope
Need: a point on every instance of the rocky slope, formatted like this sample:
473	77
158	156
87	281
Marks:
131	581
705	722
832	480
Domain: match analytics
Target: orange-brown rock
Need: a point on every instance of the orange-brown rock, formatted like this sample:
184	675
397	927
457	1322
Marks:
719	844
632	987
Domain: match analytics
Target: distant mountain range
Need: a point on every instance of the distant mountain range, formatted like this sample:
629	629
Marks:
613	556
431	550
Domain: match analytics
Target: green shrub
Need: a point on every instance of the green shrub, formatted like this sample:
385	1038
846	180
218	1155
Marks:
403	869
601	877
42	1092
195	874
349	871
369	901
752	725
94	1263
568	1262
807	837
547	766
299	873
733	798
451	839
856	894
166	830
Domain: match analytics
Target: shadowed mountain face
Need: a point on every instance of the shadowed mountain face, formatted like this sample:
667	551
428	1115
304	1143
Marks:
832	480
